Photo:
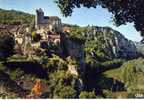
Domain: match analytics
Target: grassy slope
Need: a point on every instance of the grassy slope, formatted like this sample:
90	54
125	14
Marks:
116	74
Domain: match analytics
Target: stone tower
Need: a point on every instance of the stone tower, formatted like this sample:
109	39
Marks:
44	23
39	17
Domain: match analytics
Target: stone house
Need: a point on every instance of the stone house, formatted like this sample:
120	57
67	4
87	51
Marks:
47	23
48	27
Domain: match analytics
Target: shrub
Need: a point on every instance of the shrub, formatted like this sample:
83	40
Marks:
132	75
71	61
17	58
6	44
2	67
64	92
108	94
36	37
76	34
113	63
16	74
87	95
62	85
55	63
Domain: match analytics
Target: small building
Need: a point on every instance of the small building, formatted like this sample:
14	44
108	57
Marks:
47	23
54	37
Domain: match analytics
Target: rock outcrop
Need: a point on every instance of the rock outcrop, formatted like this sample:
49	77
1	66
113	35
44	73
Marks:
113	41
140	48
73	48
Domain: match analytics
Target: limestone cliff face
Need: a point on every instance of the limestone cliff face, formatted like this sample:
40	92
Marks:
140	48
112	41
72	47
76	50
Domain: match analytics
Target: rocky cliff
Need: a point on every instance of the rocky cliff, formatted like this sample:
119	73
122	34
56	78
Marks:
140	48
112	42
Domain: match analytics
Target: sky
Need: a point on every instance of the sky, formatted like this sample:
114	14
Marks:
82	16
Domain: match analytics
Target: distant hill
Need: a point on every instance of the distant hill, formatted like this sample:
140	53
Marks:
15	17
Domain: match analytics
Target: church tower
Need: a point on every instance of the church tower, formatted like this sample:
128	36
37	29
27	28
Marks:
39	17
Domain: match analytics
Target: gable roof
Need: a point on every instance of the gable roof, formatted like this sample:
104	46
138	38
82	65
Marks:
53	18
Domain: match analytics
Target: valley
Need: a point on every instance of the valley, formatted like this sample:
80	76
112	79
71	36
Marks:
41	57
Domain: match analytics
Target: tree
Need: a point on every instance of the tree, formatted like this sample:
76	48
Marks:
6	44
132	73
55	63
16	17
124	11
65	92
87	95
36	37
62	85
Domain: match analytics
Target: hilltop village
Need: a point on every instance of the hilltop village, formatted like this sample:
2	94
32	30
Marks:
49	31
42	57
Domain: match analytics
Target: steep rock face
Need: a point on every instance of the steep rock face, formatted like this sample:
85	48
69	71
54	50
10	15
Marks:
76	50
72	47
140	48
112	41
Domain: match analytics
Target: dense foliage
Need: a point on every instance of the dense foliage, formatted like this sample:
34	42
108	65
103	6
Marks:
87	95
123	10
6	44
15	17
132	75
76	33
54	63
62	85
101	76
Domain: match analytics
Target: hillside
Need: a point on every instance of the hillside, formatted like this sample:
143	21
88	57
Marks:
88	62
15	17
104	42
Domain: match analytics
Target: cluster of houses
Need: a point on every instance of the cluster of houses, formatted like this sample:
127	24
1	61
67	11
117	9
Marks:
49	28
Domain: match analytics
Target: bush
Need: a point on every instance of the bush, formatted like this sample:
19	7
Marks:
113	63
91	61
16	74
8	96
55	63
71	61
76	34
108	94
87	95
7	43
36	37
132	75
64	92
62	85
2	67
17	58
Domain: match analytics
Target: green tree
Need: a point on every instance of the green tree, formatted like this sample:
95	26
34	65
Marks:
87	95
62	85
55	63
64	92
7	43
36	37
132	73
124	11
16	17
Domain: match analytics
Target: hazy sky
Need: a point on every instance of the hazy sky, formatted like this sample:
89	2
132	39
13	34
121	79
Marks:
82	16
